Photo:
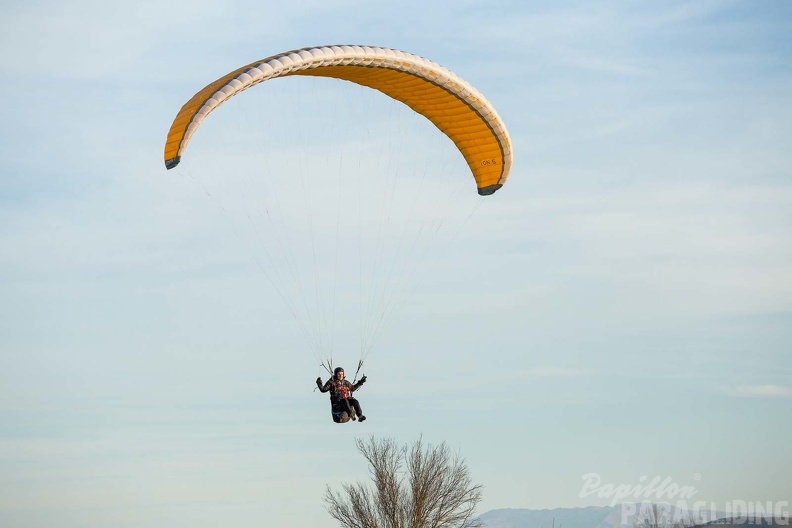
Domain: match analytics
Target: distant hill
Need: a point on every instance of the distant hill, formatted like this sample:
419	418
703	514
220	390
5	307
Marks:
604	517
728	522
591	517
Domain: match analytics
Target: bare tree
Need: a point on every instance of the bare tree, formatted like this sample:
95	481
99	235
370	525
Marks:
418	486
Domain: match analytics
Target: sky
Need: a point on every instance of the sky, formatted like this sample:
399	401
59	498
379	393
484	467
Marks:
622	307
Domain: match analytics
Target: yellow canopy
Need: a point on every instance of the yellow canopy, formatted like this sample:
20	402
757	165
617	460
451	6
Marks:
449	102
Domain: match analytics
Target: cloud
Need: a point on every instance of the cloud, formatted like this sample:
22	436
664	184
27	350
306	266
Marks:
750	391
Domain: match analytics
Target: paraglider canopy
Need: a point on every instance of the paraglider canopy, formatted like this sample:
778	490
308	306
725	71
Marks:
449	102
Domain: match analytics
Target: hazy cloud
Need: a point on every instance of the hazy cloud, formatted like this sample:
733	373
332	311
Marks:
763	390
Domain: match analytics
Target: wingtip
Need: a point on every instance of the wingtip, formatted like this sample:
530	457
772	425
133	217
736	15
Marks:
170	163
490	189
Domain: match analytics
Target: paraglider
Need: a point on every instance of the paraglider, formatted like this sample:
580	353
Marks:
450	103
343	405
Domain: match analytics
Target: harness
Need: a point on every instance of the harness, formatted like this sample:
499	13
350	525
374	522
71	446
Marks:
342	390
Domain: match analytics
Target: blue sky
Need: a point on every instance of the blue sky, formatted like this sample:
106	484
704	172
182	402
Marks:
621	306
